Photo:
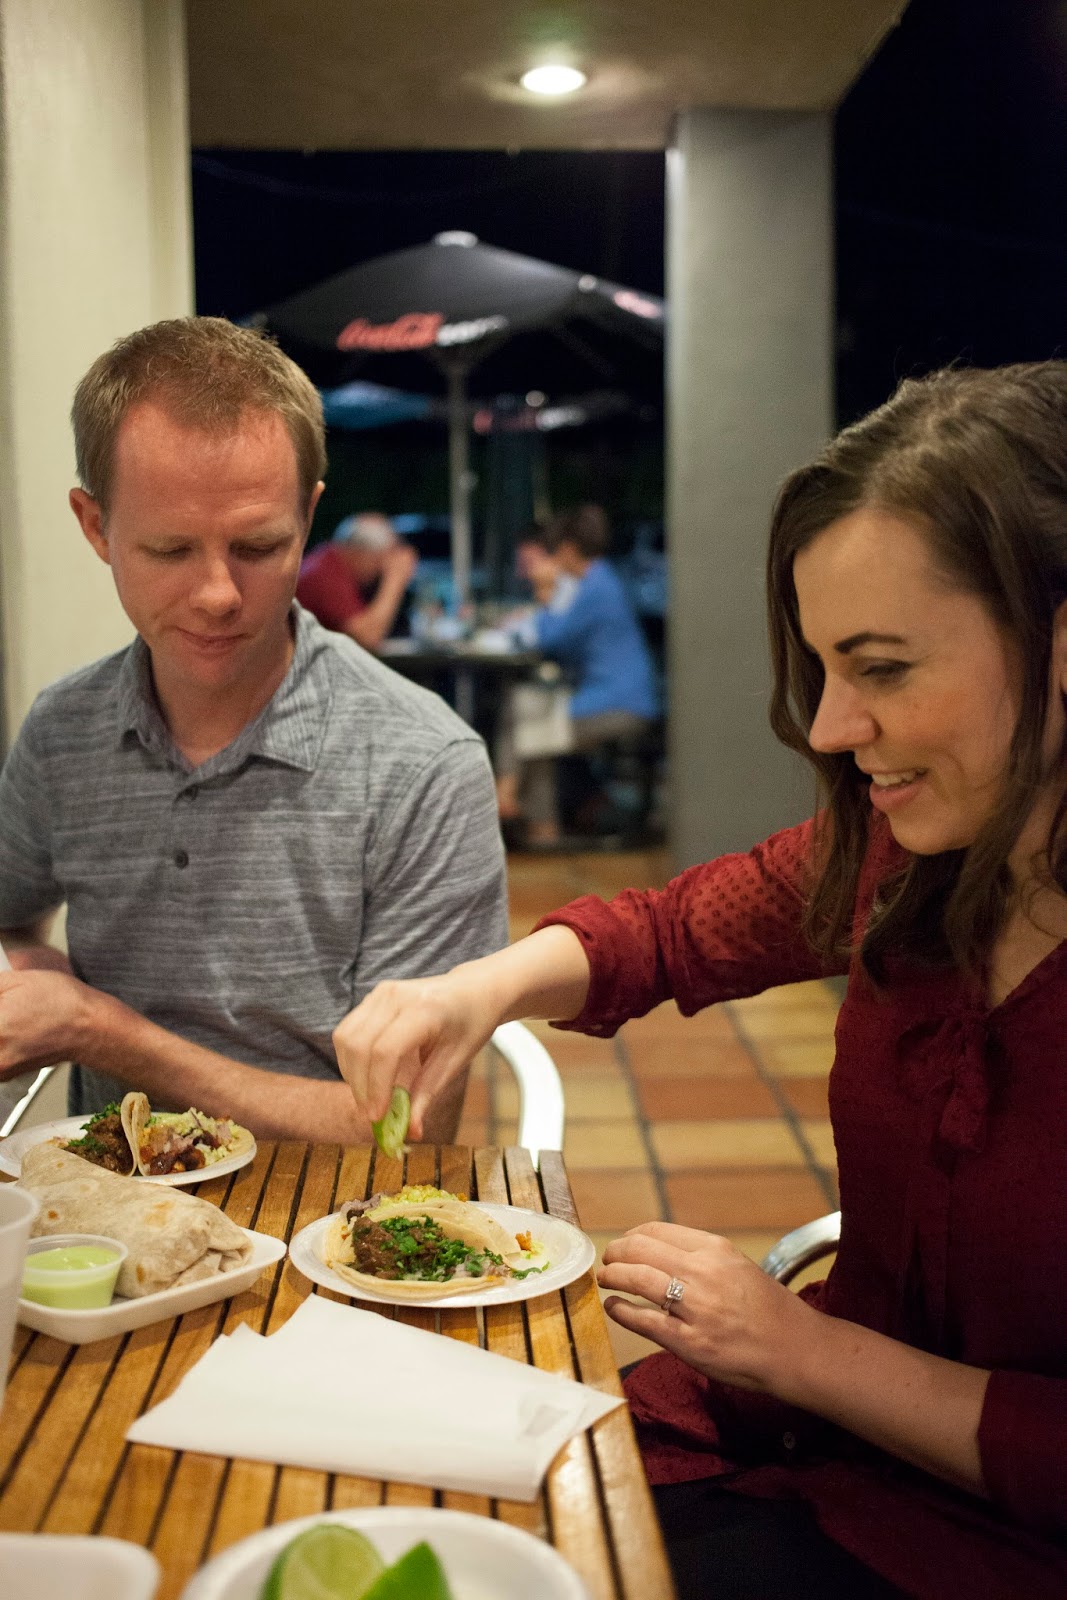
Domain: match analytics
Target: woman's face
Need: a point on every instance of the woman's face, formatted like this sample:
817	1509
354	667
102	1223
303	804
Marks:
921	685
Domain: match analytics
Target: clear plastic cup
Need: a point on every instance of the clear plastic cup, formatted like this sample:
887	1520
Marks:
72	1271
18	1208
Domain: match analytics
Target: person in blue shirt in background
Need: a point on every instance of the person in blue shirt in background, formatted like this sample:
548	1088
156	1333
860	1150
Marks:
586	623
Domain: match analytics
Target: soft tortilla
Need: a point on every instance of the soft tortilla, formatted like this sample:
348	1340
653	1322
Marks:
136	1112
172	1238
335	1243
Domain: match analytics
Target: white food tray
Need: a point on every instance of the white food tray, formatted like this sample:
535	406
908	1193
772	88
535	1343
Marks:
56	1566
122	1316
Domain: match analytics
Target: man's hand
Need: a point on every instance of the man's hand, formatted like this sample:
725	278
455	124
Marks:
44	1017
398	566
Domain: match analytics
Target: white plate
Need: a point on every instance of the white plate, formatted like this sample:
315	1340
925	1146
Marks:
121	1316
14	1147
56	1566
569	1251
483	1559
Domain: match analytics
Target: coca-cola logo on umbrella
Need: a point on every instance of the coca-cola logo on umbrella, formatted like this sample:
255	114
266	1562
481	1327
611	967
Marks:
416	330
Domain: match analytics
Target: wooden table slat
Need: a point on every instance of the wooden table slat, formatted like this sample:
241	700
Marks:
557	1191
243	1505
29	1390
47	1450
65	1466
85	1486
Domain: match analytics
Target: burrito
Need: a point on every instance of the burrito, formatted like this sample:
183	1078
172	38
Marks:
172	1238
422	1248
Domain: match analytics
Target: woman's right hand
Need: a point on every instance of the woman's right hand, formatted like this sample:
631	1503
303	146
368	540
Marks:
419	1032
422	1032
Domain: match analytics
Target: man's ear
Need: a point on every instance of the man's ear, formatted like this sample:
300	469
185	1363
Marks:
315	497
91	519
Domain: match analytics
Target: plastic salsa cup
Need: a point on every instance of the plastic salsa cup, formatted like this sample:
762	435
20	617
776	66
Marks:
72	1271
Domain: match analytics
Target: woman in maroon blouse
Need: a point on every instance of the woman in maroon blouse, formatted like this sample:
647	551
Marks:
902	1428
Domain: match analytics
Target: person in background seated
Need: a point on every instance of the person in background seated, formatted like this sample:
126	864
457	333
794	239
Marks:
337	577
585	622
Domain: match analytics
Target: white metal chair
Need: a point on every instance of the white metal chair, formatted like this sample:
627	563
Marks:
12	1114
804	1245
541	1111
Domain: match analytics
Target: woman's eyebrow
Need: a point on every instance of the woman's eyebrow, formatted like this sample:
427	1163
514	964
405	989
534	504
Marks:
854	640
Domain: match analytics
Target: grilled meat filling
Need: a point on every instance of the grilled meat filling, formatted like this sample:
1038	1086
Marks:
104	1144
415	1247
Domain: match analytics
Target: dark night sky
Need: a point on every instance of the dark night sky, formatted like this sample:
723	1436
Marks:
951	224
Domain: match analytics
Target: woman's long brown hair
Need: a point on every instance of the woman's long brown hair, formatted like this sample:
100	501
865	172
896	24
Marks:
977	461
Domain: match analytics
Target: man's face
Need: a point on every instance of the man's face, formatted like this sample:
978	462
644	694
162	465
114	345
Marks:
204	537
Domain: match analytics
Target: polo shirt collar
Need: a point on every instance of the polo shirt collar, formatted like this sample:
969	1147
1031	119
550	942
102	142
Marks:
290	728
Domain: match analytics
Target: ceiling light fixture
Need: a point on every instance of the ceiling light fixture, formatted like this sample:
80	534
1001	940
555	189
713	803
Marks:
553	80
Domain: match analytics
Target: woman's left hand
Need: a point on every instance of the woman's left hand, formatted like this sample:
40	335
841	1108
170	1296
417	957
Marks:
732	1321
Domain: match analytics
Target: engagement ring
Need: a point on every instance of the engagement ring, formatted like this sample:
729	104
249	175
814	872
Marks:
675	1291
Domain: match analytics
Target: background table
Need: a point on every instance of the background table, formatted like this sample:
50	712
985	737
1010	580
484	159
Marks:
65	1466
472	681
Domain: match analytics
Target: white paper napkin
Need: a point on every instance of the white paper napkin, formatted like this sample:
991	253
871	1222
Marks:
344	1390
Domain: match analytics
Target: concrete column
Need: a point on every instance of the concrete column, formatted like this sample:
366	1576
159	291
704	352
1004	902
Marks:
749	396
95	240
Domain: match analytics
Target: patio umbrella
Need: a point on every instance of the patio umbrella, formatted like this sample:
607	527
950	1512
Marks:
455	302
370	405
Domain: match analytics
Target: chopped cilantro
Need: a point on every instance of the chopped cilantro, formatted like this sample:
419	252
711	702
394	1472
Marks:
112	1109
440	1257
86	1143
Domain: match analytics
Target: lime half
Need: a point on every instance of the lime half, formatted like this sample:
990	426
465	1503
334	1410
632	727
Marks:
392	1130
418	1575
326	1562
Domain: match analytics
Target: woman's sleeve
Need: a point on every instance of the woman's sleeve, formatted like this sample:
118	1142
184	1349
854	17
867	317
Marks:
561	630
729	928
1022	1440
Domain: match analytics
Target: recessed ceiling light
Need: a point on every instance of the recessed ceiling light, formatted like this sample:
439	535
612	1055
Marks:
553	80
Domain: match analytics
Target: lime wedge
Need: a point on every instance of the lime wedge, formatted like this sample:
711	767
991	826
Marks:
418	1575
326	1562
392	1130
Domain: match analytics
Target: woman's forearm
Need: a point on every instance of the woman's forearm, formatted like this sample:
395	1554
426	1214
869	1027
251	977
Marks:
544	975
914	1405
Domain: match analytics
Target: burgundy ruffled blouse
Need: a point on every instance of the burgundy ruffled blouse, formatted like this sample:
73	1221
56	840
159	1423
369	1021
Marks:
950	1121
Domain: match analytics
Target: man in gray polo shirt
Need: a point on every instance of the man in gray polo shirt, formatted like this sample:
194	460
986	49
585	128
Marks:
250	820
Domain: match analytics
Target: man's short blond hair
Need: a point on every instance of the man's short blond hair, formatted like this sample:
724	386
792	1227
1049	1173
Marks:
206	373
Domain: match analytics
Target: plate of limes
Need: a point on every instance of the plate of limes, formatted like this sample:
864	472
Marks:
389	1553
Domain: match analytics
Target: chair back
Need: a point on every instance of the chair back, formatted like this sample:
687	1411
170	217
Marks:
800	1248
541	1111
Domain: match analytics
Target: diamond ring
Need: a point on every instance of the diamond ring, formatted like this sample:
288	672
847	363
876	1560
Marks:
673	1296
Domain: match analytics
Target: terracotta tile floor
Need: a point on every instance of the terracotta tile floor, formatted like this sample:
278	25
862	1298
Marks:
717	1122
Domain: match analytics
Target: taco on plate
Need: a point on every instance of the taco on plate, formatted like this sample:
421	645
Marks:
423	1243
103	1141
178	1141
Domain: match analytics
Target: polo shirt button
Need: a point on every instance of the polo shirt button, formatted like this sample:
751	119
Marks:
789	1440
181	858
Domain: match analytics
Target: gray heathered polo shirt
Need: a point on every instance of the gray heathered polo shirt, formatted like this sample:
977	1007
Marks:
348	834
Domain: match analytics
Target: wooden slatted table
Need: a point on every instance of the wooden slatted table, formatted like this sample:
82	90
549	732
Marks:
65	1466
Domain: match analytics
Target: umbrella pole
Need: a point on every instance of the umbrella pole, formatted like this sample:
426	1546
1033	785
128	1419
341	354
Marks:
459	478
